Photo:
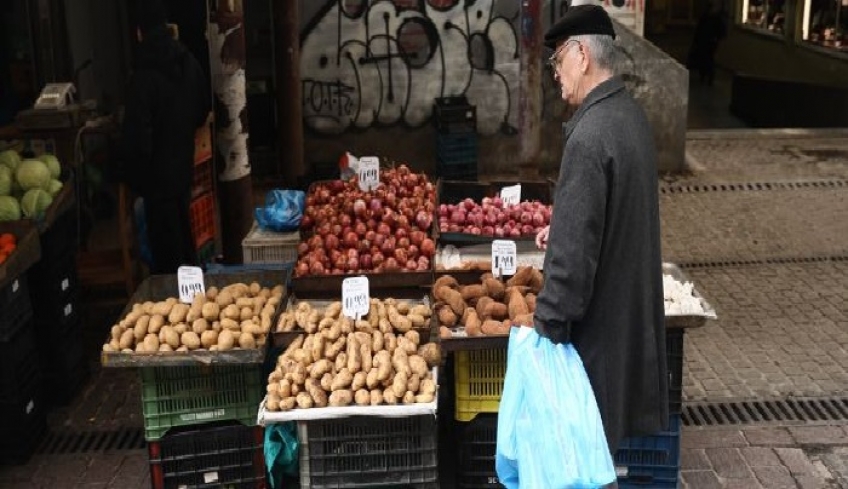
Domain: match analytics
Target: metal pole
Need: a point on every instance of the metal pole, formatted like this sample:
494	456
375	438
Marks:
530	88
227	63
290	159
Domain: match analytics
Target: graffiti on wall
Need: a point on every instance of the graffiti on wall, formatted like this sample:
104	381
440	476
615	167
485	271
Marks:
383	62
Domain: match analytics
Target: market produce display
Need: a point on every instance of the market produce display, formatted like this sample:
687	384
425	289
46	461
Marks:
493	218
490	307
680	297
27	187
8	243
348	230
337	361
235	316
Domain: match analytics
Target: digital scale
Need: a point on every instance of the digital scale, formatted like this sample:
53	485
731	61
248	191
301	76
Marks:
55	96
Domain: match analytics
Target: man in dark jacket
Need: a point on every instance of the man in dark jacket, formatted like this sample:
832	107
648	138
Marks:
169	98
603	269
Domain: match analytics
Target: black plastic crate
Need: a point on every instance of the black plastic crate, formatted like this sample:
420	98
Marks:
61	238
21	406
674	359
458	170
19	368
15	308
369	452
477	446
454	115
55	316
53	278
650	461
209	456
64	367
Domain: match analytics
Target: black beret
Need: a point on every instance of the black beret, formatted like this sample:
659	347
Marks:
580	20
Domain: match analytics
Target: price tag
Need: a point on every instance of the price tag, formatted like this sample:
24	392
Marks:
356	299
503	257
369	173
190	282
65	284
511	195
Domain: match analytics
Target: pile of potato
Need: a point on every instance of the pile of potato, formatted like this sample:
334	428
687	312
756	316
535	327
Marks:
339	361
236	316
490	307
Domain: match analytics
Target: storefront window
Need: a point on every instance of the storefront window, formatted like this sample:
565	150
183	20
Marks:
764	14
826	23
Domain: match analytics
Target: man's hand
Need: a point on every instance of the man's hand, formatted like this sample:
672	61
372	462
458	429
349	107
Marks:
542	238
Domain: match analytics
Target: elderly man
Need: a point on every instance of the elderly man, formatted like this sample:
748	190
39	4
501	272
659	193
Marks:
603	270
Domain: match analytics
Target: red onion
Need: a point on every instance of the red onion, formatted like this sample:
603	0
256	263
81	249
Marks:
488	231
350	239
423	220
365	261
428	247
376	206
331	242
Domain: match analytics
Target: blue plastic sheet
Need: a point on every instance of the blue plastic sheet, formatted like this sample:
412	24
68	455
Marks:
550	433
283	210
281	452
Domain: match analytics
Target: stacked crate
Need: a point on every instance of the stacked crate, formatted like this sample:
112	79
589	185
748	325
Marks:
202	206
199	423
456	138
54	292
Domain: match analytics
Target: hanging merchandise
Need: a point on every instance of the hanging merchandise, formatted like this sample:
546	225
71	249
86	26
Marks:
283	210
549	428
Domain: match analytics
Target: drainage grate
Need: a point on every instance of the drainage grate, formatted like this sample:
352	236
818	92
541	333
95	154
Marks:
773	411
92	441
763	261
751	186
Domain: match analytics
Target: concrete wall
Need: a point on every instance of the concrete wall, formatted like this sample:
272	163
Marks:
371	70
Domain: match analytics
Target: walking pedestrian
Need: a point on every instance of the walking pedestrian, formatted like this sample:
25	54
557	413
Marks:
603	288
169	98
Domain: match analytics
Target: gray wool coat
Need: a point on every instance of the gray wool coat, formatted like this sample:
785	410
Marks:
603	266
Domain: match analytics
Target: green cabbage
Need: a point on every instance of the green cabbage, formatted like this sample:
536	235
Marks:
9	209
52	164
10	159
54	188
5	181
33	174
35	202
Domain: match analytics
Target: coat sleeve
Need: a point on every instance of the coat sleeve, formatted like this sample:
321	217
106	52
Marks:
137	134
574	242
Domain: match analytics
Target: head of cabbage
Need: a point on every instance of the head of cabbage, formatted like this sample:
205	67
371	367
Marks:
10	159
55	187
5	181
10	210
52	163
35	202
33	174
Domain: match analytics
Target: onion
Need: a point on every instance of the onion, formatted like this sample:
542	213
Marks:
365	262
345	221
525	217
488	231
423	220
487	201
527	230
402	242
538	219
360	229
411	265
376	206
416	237
350	239
379	239
499	231
413	252
388	247
302	269
469	204
515	233
353	264
306	222
457	217
370	235
428	248
390	265
316	268
443	211
302	248
377	259
331	242
384	229
497	202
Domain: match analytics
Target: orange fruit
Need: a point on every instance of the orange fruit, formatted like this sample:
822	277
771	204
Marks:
7	238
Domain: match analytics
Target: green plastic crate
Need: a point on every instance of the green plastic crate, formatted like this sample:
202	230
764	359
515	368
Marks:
183	396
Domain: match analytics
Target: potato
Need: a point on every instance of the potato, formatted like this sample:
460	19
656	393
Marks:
471	293
226	340
376	397
414	383
246	313
273	402
362	397
354	354
117	331
431	353
447	317
299	374
210	311
165	347
178	313
425	398
496	310
406	345
251	327
530	299
454	299
371	380
327	382
418	365
169	336
417	320
333	310
231	312
247	341
414	337
127	339
389	397
421	310
358	381
341	398
481	306
230	324
151	342
107	347
224	298
140	330
208	338
182	349
399	383
181	328
427	387
285	387
216	326
385	326
319	368
383	360
147	307
318	348
319	397
243	302
491	327
332	350
304	400
211	293
115	345
408	398
400	322
473	325
190	339
389	342
445	333
493	288
365	356
199	326
522	276
342	380
376	341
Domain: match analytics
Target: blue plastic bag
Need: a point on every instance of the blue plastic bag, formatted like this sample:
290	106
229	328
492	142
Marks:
550	433
283	210
281	452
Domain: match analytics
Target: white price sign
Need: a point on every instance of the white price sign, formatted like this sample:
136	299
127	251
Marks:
511	195
190	283
369	173
356	297
503	257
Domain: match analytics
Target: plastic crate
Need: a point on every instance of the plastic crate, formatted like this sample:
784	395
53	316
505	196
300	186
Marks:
63	366
53	277
202	178
212	456
262	246
650	461
457	170
453	142
18	363
452	115
15	308
186	396
202	215
479	380
369	452
56	315
674	359
60	239
477	445
21	407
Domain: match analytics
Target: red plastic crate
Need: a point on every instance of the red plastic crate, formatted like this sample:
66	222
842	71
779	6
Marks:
202	178
203	219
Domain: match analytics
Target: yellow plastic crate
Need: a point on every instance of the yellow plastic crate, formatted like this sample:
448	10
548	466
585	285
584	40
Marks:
479	377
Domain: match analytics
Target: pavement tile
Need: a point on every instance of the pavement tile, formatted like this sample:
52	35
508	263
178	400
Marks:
712	438
769	437
760	456
795	460
819	435
775	477
728	463
103	468
807	481
749	483
694	459
702	479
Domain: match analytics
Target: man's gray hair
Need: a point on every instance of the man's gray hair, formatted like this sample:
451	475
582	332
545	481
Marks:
603	49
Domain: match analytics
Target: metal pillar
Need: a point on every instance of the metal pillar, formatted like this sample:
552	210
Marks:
290	159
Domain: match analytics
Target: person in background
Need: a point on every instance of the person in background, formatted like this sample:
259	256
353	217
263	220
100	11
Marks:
168	99
709	31
603	289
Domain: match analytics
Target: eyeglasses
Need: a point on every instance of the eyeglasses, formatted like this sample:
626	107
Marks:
555	58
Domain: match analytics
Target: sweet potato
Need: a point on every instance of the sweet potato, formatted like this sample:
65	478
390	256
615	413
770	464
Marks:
491	327
446	316
482	304
530	299
454	300
535	282
473	324
517	305
493	288
471	293
445	332
522	276
444	281
431	353
495	310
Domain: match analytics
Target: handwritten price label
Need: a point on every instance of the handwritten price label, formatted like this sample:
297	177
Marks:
356	297
190	283
369	173
511	195
503	257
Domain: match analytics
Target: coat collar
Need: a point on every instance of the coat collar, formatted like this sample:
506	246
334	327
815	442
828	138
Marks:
605	89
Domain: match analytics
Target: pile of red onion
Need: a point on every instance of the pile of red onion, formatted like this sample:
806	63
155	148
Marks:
493	218
382	230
